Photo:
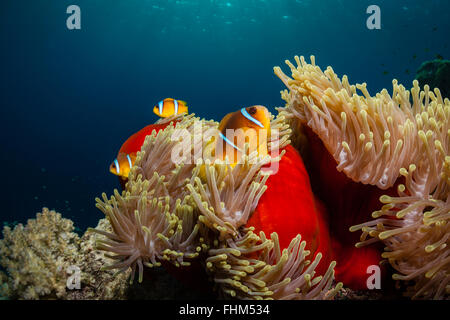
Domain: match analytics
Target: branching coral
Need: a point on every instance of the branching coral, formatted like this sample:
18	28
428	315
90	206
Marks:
375	140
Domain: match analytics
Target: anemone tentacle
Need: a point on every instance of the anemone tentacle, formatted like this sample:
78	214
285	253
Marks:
377	140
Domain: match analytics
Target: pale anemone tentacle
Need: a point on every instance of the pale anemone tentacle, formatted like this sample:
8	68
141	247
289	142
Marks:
175	117
280	133
147	228
249	266
375	140
229	195
159	151
243	264
417	233
153	219
334	111
169	211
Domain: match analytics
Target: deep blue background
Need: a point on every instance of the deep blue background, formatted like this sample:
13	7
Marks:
69	98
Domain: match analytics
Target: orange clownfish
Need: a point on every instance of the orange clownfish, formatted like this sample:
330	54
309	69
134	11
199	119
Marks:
122	165
170	107
248	125
126	156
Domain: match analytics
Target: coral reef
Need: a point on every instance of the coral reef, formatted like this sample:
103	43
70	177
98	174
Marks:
184	210
38	259
384	140
36	256
436	74
94	282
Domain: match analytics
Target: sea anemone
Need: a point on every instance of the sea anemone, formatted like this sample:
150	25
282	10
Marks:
401	140
249	266
176	210
244	264
153	219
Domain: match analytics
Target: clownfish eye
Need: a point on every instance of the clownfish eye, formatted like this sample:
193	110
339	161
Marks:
251	110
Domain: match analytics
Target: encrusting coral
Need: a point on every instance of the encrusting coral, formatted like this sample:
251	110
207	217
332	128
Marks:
384	140
40	257
36	256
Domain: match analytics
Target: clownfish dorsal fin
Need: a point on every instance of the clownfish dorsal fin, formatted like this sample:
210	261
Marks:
224	122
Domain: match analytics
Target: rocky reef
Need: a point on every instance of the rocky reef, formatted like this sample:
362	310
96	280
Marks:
436	74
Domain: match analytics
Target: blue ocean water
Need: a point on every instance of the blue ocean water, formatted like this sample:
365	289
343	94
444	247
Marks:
69	98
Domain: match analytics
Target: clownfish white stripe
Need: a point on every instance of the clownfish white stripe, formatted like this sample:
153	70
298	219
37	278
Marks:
229	142
175	102
249	117
161	106
116	163
129	161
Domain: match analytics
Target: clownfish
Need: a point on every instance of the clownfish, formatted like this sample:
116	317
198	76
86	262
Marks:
170	107
248	125
122	165
126	156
